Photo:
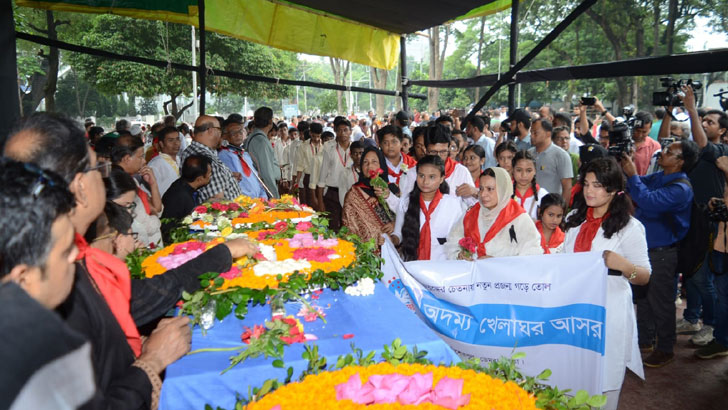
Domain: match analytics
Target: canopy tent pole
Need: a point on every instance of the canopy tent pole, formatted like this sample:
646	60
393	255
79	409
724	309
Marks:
8	72
509	76
513	54
403	71
202	69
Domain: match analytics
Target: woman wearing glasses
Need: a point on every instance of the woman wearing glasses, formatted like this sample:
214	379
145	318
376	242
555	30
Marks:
112	232
122	190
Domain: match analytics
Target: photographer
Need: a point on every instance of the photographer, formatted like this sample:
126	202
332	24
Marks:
663	201
708	182
644	146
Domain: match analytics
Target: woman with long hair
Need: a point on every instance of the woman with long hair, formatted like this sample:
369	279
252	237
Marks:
121	189
473	160
426	216
112	232
525	189
603	222
504	153
362	213
551	212
497	224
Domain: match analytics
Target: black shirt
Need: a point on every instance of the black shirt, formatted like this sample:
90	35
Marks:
707	180
179	201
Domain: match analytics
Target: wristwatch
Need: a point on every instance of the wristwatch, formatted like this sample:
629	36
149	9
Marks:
633	274
604	112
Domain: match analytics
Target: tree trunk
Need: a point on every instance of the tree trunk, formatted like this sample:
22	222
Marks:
670	30
437	59
177	113
53	56
340	73
380	82
480	51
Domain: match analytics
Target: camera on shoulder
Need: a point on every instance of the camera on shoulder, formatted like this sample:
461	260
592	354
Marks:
671	96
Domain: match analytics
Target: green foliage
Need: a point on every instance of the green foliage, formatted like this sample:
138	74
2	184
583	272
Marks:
134	262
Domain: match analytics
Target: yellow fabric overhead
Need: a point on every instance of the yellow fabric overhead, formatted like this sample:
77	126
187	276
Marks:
280	25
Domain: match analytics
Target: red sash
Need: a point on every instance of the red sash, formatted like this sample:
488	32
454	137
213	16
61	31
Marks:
113	280
470	223
239	154
557	238
449	167
526	195
423	249
574	190
409	161
145	200
395	175
588	231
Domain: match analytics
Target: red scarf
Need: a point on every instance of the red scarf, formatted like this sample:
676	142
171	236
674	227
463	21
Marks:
394	174
574	190
409	161
449	167
145	200
423	249
113	281
588	231
526	195
239	154
477	182
470	223
557	238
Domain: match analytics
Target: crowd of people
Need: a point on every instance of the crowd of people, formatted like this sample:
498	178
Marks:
76	202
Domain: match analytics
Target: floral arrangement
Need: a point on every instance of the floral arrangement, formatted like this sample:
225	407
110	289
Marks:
358	380
426	386
246	211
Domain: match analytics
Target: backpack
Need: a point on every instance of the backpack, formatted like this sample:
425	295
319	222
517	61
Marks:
692	249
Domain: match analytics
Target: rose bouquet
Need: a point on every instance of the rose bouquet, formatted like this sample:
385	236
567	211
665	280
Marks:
468	247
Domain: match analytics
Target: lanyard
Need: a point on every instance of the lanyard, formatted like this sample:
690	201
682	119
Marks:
344	159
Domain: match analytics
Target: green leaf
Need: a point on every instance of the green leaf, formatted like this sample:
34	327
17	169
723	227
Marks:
278	363
544	375
265	388
581	397
518	355
597	401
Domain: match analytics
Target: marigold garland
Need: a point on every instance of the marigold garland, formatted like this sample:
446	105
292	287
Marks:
318	391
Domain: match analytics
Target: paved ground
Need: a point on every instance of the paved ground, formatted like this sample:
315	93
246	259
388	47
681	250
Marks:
687	383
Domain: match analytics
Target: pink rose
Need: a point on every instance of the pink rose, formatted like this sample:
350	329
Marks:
304	226
201	209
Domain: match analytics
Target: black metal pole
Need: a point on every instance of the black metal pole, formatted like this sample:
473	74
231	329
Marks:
8	72
202	69
403	71
513	54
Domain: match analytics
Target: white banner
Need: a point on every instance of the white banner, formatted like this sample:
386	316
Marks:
552	307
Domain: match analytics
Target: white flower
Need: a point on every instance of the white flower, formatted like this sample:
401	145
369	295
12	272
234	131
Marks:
403	167
279	267
363	287
188	220
268	251
208	218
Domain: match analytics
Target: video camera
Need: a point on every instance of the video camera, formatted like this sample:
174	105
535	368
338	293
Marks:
671	96
620	139
723	99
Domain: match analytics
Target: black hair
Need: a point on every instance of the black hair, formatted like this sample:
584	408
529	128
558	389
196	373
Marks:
389	129
316	128
609	174
341	121
118	183
477	150
506	146
545	124
31	200
304	130
444	118
165	131
406	137
660	113
722	119
411	225
478	123
356	145
122	125
523	154
184	128
273	127
327	134
551	200
58	144
561	117
104	145
262	117
418	131
123	148
690	152
643	116
557	130
118	217
195	166
437	134
95	132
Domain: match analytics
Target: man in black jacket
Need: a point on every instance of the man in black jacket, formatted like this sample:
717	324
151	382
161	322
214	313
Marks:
124	381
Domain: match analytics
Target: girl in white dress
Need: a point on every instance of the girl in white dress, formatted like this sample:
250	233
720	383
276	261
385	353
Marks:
602	222
525	189
426	216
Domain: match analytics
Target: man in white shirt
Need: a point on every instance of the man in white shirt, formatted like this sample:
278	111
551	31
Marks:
335	161
474	130
166	165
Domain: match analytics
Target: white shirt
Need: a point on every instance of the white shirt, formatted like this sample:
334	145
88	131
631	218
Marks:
574	144
446	214
356	133
459	176
335	161
346	180
166	170
530	205
622	349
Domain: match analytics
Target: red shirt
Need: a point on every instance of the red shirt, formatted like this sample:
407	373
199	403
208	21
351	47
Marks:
643	154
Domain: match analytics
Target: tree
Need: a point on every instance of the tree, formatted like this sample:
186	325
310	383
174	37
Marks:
437	59
380	82
340	69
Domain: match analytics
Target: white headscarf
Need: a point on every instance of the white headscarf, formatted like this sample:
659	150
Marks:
504	189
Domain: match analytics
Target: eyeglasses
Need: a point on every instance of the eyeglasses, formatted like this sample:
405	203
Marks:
131	206
104	169
113	234
666	151
440	153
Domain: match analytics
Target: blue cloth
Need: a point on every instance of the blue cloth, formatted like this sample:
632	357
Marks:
701	295
663	210
523	144
374	321
249	185
489	146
